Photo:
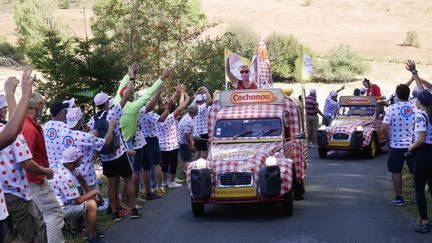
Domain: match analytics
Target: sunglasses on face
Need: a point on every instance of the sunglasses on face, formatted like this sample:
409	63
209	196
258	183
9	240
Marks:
244	71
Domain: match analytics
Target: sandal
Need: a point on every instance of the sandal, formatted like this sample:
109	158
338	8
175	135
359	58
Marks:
423	228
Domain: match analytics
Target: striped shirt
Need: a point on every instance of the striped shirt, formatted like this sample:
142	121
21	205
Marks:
311	105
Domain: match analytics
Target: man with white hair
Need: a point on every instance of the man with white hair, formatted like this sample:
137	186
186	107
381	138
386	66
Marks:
73	203
312	111
331	107
41	191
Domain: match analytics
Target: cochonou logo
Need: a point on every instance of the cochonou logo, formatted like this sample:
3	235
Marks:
257	98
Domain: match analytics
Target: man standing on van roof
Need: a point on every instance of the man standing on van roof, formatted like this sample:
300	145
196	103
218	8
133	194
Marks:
371	89
245	82
331	107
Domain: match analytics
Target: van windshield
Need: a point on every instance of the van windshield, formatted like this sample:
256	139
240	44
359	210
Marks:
242	128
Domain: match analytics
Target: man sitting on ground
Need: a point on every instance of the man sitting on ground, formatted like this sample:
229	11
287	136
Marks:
66	186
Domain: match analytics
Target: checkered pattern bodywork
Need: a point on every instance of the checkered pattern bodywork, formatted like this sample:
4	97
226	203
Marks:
349	127
250	157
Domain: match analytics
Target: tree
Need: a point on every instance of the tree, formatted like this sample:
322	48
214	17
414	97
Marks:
241	39
31	18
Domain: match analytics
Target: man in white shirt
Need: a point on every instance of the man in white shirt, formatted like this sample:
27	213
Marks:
52	132
202	100
398	127
186	141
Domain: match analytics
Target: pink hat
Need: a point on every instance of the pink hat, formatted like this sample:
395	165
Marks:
71	154
73	116
101	98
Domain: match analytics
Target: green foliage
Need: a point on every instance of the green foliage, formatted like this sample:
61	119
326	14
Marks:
241	39
283	51
151	32
64	4
308	2
31	17
412	39
9	54
342	65
72	66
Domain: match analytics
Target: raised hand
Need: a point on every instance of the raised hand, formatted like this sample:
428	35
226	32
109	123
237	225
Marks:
10	85
27	81
132	71
166	74
410	65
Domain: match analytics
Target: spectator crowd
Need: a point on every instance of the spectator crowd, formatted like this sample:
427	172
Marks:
48	171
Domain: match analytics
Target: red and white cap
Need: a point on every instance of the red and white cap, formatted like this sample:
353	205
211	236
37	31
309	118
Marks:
101	98
73	116
200	97
71	154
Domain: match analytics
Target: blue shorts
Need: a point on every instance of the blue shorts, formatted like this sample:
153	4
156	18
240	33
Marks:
153	150
185	153
397	159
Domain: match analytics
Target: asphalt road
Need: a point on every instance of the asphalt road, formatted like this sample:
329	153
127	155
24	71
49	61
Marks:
347	200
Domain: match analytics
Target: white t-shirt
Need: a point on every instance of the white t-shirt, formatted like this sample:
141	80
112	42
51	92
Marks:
53	143
167	134
186	125
65	185
139	139
113	114
87	143
148	124
423	124
201	120
12	176
400	117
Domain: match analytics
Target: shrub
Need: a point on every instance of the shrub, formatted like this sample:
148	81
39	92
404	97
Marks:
64	4
412	39
342	65
308	2
283	51
10	55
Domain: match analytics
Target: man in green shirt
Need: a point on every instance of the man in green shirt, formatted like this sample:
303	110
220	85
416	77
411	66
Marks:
128	121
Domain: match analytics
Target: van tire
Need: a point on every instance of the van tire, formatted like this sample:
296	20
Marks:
288	204
197	209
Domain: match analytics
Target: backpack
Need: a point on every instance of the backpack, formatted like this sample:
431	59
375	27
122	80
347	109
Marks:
102	126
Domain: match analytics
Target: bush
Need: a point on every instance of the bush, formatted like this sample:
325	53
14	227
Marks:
64	4
241	39
10	55
283	51
412	39
308	2
342	65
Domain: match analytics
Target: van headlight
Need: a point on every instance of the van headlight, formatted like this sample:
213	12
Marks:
322	128
271	161
359	129
201	164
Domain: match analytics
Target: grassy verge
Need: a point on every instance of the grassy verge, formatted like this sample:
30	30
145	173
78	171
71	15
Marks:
409	195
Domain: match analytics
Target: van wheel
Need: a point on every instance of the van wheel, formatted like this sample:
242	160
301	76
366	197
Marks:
288	204
373	147
322	153
197	209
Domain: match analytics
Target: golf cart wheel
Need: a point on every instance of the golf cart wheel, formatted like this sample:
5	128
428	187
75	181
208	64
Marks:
288	204
322	153
373	147
197	209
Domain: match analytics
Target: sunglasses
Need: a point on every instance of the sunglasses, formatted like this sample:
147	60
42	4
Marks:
245	71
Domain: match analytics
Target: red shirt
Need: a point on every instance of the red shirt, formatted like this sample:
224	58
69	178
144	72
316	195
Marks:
373	91
34	137
251	86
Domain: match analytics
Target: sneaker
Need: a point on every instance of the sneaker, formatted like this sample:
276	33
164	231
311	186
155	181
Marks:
164	183
423	228
96	240
174	185
177	180
116	217
398	201
135	214
101	234
152	196
138	206
124	212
